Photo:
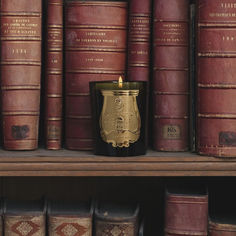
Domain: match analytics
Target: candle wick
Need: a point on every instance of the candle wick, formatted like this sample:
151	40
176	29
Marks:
120	82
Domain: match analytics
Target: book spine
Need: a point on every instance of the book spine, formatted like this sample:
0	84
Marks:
139	40
216	67
96	33
69	225
222	227
170	75
16	225
186	215
20	72
54	74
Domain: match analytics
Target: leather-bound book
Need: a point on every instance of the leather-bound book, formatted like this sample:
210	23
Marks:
170	75
69	218
95	50
139	35
222	226
186	212
116	219
53	75
26	218
216	69
20	72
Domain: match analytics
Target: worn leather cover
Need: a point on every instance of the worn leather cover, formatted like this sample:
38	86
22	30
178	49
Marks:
186	214
170	75
216	67
96	34
24	218
20	72
139	35
69	218
54	75
114	219
221	226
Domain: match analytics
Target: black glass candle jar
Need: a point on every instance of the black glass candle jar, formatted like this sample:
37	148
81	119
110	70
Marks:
119	113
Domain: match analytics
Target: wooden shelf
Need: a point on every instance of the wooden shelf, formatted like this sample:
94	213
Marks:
74	163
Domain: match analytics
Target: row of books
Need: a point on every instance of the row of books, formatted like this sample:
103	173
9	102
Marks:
36	218
106	39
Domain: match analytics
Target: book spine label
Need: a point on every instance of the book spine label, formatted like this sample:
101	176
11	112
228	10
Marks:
216	62
139	40
186	215
69	225
54	73
20	72
170	75
96	34
24	225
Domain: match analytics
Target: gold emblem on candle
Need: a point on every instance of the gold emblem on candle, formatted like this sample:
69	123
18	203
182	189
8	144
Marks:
120	120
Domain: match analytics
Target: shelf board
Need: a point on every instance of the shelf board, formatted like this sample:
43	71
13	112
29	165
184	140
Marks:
77	163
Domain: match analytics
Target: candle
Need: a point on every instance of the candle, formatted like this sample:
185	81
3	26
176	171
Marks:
119	112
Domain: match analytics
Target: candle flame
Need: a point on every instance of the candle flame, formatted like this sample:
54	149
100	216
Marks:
120	82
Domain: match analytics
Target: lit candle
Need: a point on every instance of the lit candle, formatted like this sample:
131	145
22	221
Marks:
119	116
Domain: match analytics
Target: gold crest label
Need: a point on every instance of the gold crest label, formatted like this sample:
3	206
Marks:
120	120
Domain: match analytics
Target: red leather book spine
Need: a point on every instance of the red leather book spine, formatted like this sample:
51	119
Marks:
139	40
20	72
186	214
216	67
96	33
170	75
224	227
54	73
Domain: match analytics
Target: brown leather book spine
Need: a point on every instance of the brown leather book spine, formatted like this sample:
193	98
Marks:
54	74
96	33
139	40
186	214
20	72
24	225
222	227
170	75
216	67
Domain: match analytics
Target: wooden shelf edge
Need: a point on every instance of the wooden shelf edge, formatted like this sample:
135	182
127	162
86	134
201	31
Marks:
74	163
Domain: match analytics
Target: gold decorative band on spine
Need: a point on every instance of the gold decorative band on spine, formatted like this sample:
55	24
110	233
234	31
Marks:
170	117
222	226
170	69
171	93
55	50
54	95
21	38
78	117
142	15
21	63
140	40
29	14
94	71
77	94
100	3
173	21
217	54
216	25
54	72
55	3
169	44
54	27
15	113
54	119
217	116
96	27
219	86
94	49
26	87
138	65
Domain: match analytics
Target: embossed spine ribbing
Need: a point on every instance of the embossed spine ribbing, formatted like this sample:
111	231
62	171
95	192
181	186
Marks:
20	72
96	33
170	75
216	70
139	40
54	74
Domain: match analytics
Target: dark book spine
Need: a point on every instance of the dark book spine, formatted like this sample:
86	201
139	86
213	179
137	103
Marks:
20	72
54	74
139	35
96	33
223	227
216	67
186	214
170	75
